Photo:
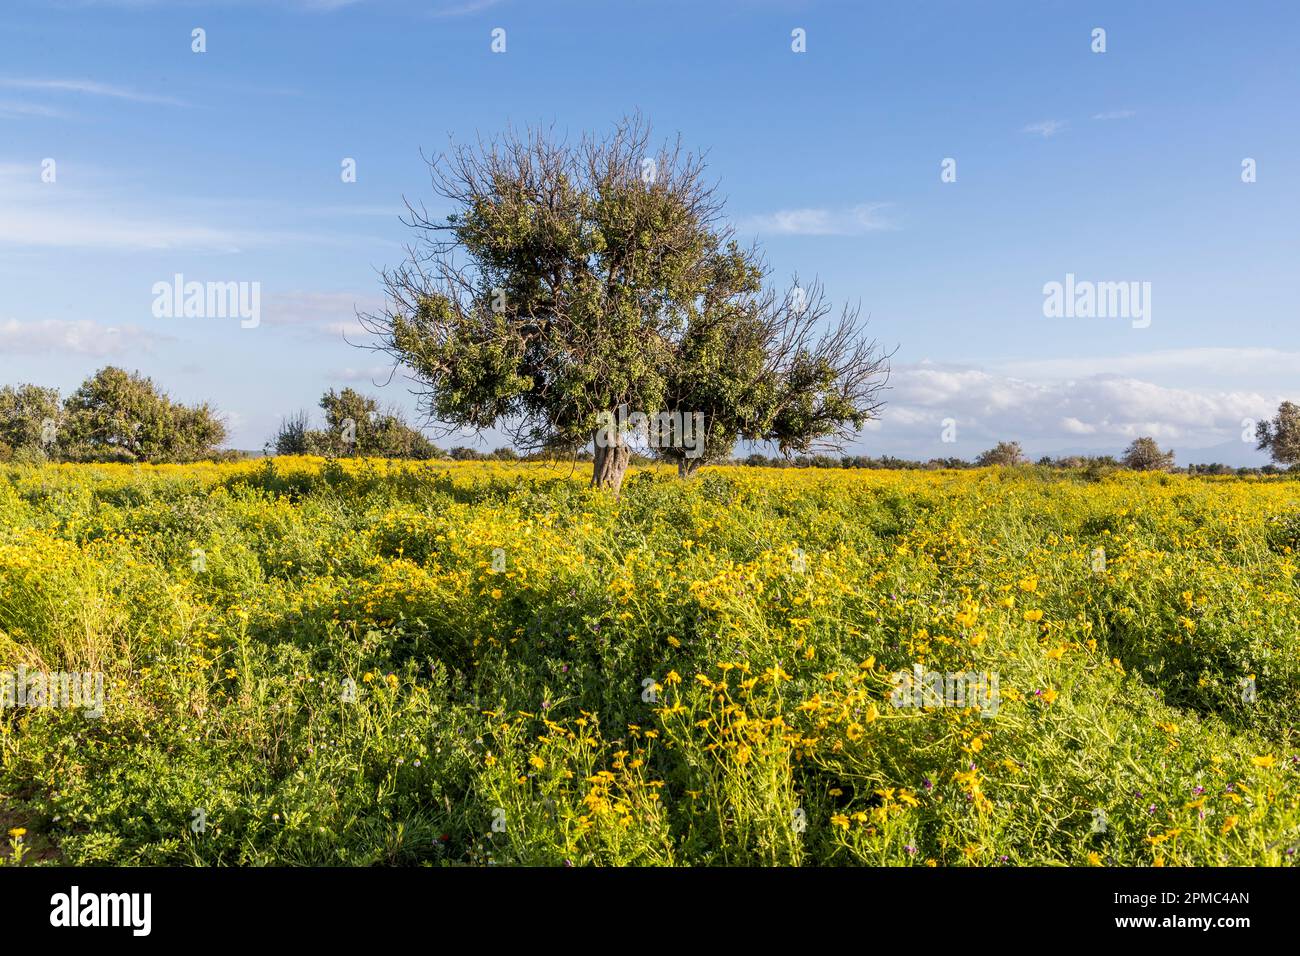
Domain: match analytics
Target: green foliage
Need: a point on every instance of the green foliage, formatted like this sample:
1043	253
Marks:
113	416
1004	453
1145	455
575	280
1281	436
29	421
473	663
354	425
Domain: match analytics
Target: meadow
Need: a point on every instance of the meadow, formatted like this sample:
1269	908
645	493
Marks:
365	662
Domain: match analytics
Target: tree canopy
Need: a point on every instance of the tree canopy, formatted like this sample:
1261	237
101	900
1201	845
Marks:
1281	436
1004	453
1145	455
354	425
113	416
574	280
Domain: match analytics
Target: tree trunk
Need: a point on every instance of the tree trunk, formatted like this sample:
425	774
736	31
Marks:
687	467
609	465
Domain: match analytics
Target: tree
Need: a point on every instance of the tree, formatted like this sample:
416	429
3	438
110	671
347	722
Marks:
354	425
1004	453
29	421
293	435
1145	455
1281	436
577	282
116	415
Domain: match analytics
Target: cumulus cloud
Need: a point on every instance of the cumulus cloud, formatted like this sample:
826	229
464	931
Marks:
1101	410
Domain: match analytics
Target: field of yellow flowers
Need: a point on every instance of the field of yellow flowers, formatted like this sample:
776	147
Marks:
315	662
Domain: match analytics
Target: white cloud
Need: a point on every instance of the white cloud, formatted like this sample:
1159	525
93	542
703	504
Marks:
376	375
59	215
455	9
12	108
88	88
1200	364
81	230
83	337
331	315
856	220
1046	128
1115	115
1104	411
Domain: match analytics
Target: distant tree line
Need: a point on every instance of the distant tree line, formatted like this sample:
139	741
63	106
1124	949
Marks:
1280	437
120	416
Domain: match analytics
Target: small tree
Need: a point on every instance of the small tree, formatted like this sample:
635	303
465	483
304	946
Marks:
1145	455
354	425
575	283
1004	453
1281	436
30	417
292	436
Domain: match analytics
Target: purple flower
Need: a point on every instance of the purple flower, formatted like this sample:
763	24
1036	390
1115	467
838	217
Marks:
911	850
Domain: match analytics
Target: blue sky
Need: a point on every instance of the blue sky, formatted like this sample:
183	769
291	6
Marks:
1122	166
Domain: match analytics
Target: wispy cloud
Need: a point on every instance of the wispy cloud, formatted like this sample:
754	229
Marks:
331	315
853	221
1191	364
83	337
376	375
88	88
1115	115
10	109
47	215
463	8
1046	128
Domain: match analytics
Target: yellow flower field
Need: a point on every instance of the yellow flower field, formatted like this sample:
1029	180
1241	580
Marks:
320	662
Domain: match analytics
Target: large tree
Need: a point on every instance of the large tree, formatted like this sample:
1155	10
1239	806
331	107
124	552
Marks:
1281	436
123	416
575	281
